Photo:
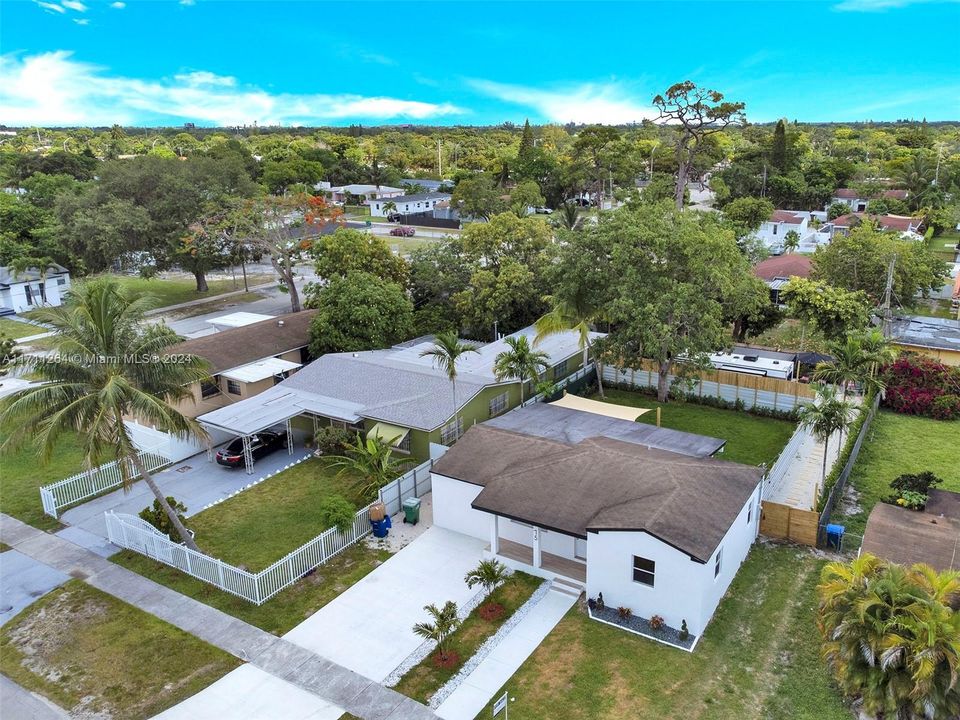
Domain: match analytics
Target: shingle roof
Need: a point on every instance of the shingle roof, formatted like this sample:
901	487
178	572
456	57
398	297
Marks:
603	484
780	266
786	216
417	197
885	222
234	347
930	332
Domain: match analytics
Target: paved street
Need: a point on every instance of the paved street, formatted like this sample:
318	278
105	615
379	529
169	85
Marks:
23	581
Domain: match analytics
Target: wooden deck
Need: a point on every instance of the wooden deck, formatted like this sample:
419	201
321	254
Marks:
573	569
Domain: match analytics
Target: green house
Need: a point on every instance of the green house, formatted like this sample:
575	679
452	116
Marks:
395	394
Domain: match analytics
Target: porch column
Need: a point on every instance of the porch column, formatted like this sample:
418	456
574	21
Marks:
289	437
316	426
536	546
247	455
495	535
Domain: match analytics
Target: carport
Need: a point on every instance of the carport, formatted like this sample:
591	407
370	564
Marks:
278	405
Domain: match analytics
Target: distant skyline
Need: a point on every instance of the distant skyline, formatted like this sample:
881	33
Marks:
223	63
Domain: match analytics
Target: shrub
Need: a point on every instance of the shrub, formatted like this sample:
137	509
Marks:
919	483
624	612
657	622
156	516
684	633
338	512
912	500
332	440
920	386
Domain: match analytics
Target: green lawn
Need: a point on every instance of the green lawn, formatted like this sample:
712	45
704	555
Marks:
750	439
945	245
898	444
283	611
933	308
16	329
259	526
172	291
99	657
22	475
426	678
756	661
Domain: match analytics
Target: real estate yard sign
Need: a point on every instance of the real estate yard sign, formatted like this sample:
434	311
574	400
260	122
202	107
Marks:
501	705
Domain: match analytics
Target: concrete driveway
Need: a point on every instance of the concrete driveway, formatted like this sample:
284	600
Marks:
368	628
23	580
249	693
195	482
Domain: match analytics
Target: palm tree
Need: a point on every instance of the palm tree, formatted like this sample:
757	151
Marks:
521	362
389	207
825	416
372	460
489	574
445	623
569	216
917	178
97	376
791	241
850	364
878	350
447	349
577	313
41	263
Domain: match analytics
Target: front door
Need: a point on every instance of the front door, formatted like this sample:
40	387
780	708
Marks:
580	549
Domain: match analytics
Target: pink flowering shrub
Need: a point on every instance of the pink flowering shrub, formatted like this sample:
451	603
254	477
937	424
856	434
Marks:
921	386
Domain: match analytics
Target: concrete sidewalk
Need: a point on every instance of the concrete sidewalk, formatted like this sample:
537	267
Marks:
495	670
19	703
285	660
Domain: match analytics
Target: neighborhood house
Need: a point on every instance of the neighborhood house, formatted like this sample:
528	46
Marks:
22	291
857	201
408	204
395	393
641	514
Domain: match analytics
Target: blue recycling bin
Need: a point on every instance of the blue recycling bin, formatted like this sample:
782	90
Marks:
381	527
835	536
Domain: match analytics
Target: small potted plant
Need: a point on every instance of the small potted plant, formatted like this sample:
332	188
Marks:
684	632
624	613
657	622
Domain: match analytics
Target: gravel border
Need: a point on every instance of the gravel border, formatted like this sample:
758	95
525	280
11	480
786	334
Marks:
489	644
640	626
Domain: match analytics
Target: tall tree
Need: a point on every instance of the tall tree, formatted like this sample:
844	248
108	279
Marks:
578	312
347	251
96	377
675	268
833	311
778	149
521	362
284	228
446	351
697	113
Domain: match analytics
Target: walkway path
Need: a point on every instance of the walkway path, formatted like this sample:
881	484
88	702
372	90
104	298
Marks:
21	704
493	672
281	658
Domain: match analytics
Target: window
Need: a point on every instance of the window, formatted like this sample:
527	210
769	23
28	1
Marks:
29	294
560	369
498	404
404	445
749	513
774	229
643	570
61	281
718	562
233	387
211	387
451	431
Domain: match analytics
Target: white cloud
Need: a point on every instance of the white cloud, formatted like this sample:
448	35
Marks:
118	5
50	7
74	5
880	5
81	21
188	2
54	89
610	103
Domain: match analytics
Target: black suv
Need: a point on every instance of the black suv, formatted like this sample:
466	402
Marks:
261	443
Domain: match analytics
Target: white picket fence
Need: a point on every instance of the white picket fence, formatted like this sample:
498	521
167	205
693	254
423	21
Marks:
90	483
133	533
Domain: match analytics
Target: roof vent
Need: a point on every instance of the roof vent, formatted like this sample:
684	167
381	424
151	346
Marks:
750	358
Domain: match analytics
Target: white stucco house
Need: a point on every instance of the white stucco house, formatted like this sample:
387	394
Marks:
341	194
408	204
857	201
644	515
773	231
26	290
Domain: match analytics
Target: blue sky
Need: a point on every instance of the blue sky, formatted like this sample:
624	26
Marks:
214	62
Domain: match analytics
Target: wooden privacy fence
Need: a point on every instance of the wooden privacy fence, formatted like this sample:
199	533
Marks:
785	522
751	390
133	533
90	483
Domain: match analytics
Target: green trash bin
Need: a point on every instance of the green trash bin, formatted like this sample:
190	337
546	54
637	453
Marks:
411	510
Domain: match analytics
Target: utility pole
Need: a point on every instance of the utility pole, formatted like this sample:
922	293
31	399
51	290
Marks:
886	297
763	191
439	159
936	176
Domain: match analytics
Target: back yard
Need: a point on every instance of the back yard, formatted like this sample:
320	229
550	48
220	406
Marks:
758	659
898	444
99	657
750	439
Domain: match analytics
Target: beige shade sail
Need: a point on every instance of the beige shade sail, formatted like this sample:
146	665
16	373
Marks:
621	412
389	434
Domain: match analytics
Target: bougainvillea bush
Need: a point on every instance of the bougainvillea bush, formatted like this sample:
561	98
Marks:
921	386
